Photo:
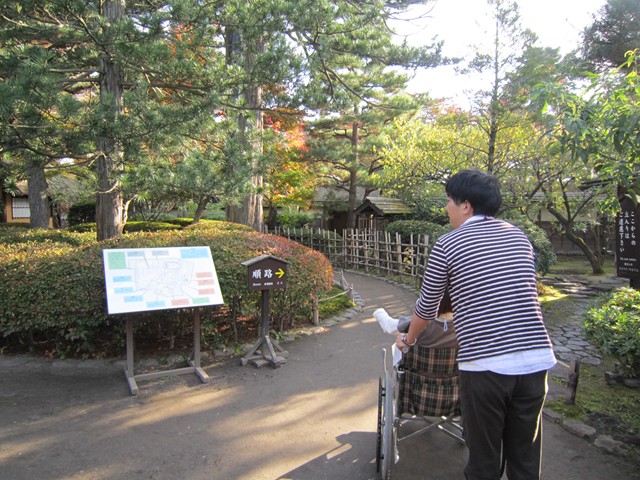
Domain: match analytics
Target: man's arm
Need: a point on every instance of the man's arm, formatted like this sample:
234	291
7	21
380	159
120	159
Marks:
416	327
434	284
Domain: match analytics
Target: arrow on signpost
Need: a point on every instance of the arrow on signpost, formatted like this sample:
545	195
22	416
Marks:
280	273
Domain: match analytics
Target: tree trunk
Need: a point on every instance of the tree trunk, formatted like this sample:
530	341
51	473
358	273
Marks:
200	209
39	206
110	202
493	136
253	213
272	216
595	258
353	173
250	212
353	199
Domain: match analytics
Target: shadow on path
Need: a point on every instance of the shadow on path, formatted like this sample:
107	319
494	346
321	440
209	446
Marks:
313	418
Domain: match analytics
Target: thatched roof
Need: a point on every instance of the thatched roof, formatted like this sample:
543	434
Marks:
381	206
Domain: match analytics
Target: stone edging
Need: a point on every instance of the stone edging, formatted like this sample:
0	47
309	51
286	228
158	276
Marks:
604	442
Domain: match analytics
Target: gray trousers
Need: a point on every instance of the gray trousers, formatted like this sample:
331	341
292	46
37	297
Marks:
502	414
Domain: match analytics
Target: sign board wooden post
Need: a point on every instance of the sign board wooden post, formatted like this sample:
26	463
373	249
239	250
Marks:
266	273
628	240
147	279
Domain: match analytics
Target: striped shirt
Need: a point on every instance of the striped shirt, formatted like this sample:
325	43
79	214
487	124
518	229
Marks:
488	266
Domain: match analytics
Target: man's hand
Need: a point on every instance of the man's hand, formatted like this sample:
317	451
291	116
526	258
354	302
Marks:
403	343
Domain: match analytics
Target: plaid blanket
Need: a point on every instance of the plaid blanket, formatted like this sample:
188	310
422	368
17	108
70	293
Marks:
429	382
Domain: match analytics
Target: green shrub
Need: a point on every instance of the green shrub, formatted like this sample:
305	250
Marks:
429	208
83	227
333	303
53	292
613	325
82	213
406	228
295	219
183	222
141	225
149	226
42	235
13	226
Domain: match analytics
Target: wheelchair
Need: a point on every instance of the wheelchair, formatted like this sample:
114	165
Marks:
423	388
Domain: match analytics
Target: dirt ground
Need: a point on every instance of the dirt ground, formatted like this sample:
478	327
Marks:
313	418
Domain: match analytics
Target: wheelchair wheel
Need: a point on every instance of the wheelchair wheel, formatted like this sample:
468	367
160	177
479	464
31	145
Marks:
386	428
379	431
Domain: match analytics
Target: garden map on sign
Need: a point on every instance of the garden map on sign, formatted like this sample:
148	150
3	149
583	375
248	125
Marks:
144	279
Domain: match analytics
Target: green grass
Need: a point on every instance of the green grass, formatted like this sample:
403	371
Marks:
611	409
594	398
333	303
579	265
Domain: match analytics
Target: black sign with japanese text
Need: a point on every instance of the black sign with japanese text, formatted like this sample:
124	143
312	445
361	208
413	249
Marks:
627	247
266	273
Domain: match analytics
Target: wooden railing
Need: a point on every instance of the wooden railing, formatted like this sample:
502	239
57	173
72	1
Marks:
375	252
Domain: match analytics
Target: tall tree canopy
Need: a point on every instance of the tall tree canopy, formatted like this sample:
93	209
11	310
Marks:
116	84
106	83
600	126
355	93
614	32
497	61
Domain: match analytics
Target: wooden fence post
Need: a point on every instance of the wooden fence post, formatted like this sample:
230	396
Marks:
572	384
315	313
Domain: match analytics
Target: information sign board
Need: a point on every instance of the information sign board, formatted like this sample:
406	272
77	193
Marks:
146	279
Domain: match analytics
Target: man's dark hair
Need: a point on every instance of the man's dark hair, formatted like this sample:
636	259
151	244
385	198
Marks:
479	188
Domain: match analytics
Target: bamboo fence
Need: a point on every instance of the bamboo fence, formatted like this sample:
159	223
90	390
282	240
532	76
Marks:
374	252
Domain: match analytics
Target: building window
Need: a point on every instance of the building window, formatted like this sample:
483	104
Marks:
20	208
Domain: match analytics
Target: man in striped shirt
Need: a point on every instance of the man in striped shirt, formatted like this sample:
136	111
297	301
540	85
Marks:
488	266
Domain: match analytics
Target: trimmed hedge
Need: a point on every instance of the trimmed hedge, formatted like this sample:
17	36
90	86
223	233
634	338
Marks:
133	226
148	226
53	292
10	235
183	222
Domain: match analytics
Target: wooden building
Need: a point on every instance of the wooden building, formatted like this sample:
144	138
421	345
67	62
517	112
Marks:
376	213
16	207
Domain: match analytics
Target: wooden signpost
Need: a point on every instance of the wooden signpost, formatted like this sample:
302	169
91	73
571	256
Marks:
627	240
266	273
147	279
